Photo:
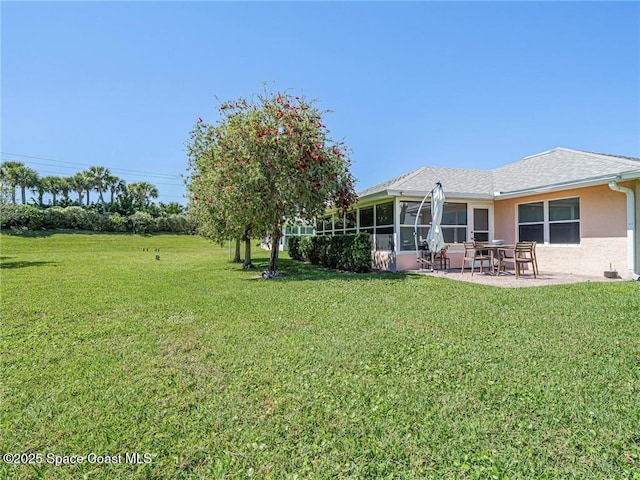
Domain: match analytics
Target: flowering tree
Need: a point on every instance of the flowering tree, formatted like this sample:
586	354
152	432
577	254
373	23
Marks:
266	162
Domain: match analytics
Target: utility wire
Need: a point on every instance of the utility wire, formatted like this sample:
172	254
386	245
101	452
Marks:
165	175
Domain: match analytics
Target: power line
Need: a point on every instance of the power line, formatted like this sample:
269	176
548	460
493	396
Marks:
154	174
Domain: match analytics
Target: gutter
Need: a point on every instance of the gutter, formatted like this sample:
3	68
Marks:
631	227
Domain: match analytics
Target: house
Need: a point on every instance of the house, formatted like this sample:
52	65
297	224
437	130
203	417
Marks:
582	208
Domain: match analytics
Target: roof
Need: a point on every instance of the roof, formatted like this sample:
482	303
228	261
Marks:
560	167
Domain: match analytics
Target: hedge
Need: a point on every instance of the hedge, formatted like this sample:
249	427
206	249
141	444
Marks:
70	218
341	252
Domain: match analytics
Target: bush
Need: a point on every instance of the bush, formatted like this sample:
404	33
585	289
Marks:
308	251
116	223
361	253
52	218
20	216
342	252
75	217
293	248
141	222
174	223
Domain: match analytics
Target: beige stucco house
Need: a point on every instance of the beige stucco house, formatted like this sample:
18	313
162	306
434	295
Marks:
582	208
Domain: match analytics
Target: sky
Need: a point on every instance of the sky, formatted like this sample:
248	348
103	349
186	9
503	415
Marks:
407	84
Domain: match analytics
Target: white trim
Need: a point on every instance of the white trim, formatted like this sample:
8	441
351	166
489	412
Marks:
546	223
631	227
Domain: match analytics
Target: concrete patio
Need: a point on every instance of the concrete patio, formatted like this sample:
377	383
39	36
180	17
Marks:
509	280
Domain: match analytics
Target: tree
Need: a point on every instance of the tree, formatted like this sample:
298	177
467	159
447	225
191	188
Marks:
39	188
89	183
113	184
207	206
268	161
98	177
9	177
65	188
53	185
27	178
143	192
78	183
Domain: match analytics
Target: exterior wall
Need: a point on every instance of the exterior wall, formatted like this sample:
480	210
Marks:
603	221
636	187
384	260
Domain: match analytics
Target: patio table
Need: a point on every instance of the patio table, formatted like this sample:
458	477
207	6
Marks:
497	253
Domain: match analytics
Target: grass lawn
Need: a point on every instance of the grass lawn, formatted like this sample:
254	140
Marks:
216	374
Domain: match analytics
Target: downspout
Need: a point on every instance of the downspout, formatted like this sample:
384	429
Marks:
631	227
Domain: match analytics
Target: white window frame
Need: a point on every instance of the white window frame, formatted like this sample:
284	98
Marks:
546	230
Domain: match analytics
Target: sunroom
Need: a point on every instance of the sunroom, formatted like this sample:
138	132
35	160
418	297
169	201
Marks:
581	208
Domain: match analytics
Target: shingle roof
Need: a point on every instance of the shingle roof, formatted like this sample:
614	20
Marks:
555	167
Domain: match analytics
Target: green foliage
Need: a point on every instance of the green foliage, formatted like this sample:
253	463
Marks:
142	222
268	161
342	252
77	218
320	375
116	223
20	216
293	247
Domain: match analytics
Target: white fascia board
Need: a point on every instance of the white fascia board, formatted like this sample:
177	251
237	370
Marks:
458	195
604	180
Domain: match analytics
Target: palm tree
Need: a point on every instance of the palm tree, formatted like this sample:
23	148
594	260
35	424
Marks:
39	188
88	183
65	188
113	184
143	191
9	178
99	176
77	184
52	185
27	178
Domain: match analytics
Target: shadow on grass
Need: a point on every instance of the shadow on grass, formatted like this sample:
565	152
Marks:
19	264
292	270
18	232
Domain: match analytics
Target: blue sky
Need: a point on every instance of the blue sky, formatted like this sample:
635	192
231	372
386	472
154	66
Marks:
460	84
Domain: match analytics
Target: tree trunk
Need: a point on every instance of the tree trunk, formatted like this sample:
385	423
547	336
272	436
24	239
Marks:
24	194
247	265
274	267
236	258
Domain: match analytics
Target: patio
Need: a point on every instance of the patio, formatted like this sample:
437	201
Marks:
510	280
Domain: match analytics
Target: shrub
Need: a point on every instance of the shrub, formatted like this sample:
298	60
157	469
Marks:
293	248
75	217
20	216
141	222
308	250
116	223
361	253
174	223
342	252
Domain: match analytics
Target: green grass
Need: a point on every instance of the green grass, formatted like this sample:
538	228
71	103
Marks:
318	375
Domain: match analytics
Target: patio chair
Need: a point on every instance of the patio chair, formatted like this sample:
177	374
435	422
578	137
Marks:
535	258
524	253
473	253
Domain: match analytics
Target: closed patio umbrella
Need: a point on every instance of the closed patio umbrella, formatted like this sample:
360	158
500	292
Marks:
435	238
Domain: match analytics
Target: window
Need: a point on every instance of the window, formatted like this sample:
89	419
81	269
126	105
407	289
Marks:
454	223
351	222
531	222
384	226
564	220
550	221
